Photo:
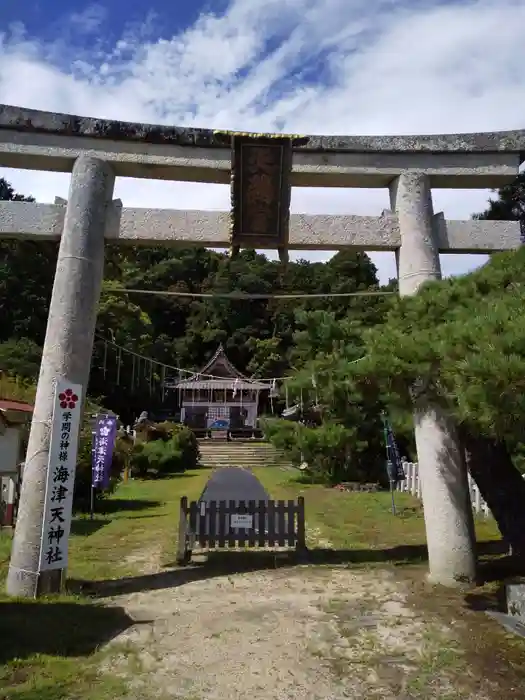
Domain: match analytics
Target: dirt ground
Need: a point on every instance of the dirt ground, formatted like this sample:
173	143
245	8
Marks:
289	633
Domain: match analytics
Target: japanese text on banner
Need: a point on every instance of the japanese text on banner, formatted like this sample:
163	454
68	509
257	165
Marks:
102	452
61	475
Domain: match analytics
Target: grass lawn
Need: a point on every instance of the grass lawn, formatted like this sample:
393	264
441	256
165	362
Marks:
362	522
49	649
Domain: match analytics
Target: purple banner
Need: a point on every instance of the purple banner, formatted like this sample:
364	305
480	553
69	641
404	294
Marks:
104	437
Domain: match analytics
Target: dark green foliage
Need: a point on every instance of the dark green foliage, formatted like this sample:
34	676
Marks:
258	335
185	440
333	452
343	438
461	340
460	343
286	436
20	357
164	449
156	459
509	204
263	337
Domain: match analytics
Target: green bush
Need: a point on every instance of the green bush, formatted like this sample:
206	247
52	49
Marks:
333	452
187	443
285	436
156	459
165	448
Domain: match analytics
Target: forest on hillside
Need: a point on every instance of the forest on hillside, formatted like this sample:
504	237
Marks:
462	336
260	336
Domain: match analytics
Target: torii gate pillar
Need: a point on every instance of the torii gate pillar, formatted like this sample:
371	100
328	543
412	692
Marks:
447	510
67	353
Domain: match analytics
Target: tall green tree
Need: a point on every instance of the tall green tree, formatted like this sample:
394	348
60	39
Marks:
343	437
20	357
461	343
27	270
509	205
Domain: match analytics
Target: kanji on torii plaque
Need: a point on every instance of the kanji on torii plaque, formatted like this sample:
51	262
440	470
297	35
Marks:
261	169
261	191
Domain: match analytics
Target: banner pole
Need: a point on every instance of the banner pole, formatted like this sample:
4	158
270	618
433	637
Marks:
392	490
92	501
389	463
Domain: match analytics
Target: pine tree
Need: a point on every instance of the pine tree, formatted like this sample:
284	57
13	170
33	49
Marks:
461	342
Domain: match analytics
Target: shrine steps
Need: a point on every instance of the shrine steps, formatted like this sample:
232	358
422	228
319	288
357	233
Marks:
243	453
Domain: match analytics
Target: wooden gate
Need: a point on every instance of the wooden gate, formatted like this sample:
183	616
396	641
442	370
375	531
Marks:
221	524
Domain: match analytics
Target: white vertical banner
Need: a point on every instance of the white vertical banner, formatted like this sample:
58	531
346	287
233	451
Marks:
61	466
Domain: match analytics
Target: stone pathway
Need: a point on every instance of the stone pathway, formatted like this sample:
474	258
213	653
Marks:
287	634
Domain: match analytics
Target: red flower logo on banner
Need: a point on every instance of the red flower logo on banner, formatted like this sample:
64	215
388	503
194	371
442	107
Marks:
67	399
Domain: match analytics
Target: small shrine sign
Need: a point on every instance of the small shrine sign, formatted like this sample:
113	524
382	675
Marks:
238	520
61	466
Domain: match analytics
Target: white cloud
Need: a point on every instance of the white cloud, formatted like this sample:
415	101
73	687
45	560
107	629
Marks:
310	66
88	20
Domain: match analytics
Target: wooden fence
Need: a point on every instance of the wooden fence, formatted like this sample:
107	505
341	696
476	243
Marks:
221	524
412	484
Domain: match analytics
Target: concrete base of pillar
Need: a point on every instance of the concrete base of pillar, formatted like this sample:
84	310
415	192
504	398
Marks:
50	582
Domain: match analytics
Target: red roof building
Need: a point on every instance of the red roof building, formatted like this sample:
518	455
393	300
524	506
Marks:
15	412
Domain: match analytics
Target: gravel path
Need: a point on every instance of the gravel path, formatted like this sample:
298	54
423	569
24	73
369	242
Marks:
283	634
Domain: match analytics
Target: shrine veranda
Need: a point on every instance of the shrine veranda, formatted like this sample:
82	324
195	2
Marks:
96	151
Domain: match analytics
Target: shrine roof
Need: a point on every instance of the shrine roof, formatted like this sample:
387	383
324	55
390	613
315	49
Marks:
219	373
220	365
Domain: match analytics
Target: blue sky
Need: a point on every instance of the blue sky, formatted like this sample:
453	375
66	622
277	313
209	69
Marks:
43	18
303	66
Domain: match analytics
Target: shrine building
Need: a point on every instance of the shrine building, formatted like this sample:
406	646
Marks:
219	396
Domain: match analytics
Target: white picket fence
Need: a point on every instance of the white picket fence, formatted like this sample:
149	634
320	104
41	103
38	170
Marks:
412	484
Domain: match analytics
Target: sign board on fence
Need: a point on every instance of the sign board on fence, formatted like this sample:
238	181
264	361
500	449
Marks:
241	520
63	447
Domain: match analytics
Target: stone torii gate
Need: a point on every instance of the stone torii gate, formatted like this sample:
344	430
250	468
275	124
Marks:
95	151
